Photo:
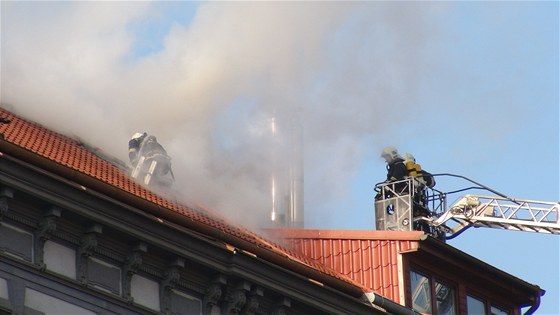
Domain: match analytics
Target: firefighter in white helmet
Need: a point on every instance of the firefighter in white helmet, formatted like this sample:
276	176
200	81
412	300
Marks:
134	147
149	159
396	170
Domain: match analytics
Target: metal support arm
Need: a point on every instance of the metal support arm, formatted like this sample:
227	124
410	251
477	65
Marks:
500	213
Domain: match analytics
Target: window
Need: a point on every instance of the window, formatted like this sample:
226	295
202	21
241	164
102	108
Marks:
16	242
184	304
4	289
498	311
145	291
5	306
60	259
475	306
104	275
421	293
445	299
51	305
429	294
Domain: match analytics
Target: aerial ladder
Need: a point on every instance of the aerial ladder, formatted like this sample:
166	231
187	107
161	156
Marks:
407	205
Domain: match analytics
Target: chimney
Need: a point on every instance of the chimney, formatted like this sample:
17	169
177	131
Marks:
287	173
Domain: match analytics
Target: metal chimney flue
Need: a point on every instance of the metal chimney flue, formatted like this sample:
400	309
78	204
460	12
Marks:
287	177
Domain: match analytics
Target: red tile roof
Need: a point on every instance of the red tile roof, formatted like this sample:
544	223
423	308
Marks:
368	257
373	259
30	137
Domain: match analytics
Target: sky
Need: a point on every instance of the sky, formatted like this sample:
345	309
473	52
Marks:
469	88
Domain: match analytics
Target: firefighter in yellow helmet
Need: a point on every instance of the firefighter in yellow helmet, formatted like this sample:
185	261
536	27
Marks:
414	170
421	180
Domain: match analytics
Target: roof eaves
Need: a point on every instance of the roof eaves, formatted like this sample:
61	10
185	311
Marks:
370	235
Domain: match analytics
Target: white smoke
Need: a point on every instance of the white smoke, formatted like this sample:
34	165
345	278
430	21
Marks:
347	69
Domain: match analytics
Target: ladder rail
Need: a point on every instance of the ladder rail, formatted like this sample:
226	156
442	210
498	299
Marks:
499	212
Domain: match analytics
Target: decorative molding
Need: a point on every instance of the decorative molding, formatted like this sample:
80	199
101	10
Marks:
133	262
171	277
253	299
190	285
108	253
6	193
16	217
151	270
65	236
282	306
237	297
88	244
214	293
46	227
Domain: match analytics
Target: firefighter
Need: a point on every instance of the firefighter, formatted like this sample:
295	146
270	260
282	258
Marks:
134	147
148	158
420	206
414	170
396	170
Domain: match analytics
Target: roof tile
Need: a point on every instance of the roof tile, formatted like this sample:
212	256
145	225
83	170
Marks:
367	257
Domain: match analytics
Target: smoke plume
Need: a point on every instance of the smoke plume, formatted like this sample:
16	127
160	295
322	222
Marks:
346	70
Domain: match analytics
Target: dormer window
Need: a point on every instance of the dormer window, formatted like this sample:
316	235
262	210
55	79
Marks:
424	288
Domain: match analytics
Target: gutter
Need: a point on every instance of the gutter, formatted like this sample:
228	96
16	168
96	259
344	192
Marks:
389	305
535	306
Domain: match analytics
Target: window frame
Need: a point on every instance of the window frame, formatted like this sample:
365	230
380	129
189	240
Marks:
477	297
488	303
430	284
454	287
491	305
432	279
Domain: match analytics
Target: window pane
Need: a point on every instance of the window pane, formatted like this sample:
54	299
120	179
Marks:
4	289
445	298
475	306
498	311
104	275
50	305
421	293
60	259
16	242
145	291
184	304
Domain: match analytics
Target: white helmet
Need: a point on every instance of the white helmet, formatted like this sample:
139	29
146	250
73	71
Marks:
138	135
409	157
390	151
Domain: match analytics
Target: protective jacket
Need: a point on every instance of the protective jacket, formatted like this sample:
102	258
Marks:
150	147
396	170
134	150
